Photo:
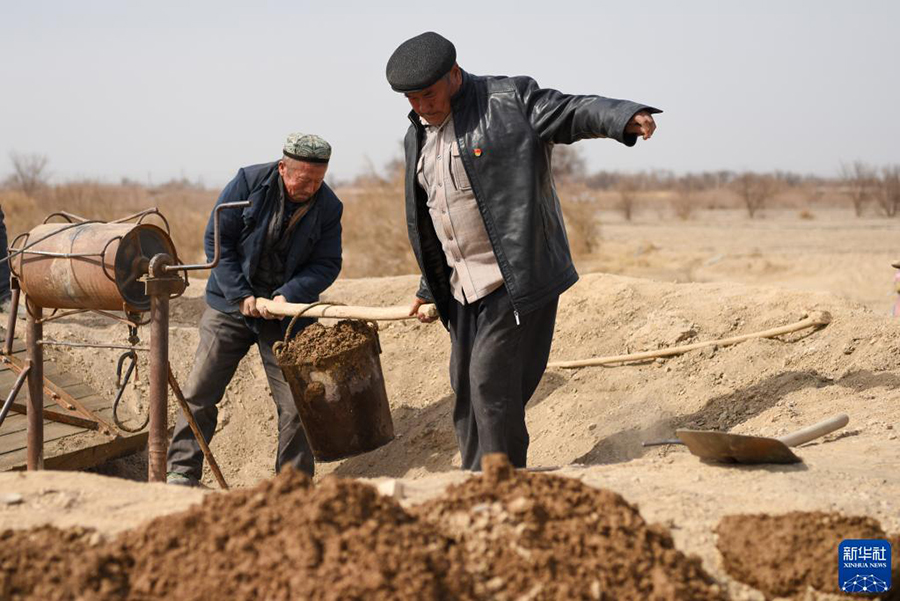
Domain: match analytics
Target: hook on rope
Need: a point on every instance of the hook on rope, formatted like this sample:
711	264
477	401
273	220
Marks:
122	382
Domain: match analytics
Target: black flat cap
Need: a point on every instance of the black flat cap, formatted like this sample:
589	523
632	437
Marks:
420	62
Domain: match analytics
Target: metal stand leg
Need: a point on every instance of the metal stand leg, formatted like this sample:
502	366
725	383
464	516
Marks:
157	443
35	410
186	410
13	313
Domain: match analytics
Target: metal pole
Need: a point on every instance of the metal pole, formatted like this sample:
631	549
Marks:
14	392
186	410
35	411
13	313
217	252
157	442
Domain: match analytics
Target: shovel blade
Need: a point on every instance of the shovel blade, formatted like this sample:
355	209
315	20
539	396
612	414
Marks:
736	448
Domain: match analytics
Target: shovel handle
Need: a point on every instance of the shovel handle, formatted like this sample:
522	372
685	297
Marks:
816	430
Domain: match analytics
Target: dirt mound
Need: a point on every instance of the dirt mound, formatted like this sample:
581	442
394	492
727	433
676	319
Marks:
282	540
537	536
590	416
317	343
51	564
505	535
782	555
287	540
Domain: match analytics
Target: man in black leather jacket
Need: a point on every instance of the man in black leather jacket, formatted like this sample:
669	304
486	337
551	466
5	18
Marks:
486	226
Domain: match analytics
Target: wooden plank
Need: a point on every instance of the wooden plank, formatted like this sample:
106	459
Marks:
70	383
52	431
12	423
65	446
7	379
20	426
62	416
96	403
61	456
65	417
79	391
61	378
97	454
49	403
52	406
64	379
18	344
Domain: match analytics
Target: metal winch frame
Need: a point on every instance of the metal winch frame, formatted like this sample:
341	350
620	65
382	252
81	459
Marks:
88	281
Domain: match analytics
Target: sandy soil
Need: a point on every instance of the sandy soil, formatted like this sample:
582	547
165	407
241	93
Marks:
833	252
706	279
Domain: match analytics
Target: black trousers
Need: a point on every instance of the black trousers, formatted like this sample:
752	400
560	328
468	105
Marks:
224	340
495	367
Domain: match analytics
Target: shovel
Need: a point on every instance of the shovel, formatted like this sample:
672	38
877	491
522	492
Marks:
738	448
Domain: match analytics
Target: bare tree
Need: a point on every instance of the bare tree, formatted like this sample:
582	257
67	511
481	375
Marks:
628	187
814	193
29	172
582	224
568	164
687	190
858	183
754	190
888	192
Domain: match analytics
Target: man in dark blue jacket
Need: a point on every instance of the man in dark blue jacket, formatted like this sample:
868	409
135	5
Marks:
285	246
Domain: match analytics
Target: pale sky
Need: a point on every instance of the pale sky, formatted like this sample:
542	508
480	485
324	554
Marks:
156	90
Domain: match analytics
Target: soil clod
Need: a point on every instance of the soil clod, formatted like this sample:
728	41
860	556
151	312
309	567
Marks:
522	536
539	536
782	555
317	343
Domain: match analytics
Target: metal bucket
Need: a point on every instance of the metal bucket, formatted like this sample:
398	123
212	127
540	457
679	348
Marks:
341	399
88	266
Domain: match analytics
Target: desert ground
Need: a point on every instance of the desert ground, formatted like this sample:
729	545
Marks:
653	282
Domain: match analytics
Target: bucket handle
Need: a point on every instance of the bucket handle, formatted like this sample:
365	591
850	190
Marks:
290	327
294	319
375	327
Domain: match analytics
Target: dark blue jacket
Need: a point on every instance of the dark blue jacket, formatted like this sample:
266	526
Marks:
314	257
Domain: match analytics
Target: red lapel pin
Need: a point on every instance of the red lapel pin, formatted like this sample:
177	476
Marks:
478	152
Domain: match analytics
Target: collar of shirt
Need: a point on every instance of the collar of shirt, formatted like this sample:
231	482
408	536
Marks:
436	127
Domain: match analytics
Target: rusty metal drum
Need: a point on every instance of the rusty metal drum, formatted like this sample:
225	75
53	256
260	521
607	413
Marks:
88	266
341	399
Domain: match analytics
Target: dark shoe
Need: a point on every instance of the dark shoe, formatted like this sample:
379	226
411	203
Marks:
179	479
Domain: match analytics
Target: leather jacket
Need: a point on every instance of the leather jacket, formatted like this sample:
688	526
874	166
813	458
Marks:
506	128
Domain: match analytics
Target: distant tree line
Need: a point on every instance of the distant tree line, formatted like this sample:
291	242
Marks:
859	183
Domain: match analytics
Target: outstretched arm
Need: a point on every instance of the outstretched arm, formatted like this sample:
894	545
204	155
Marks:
565	118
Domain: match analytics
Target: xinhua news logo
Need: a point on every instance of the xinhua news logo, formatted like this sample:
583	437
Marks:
864	566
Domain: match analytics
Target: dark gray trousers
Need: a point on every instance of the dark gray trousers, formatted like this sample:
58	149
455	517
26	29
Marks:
4	266
224	340
495	367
